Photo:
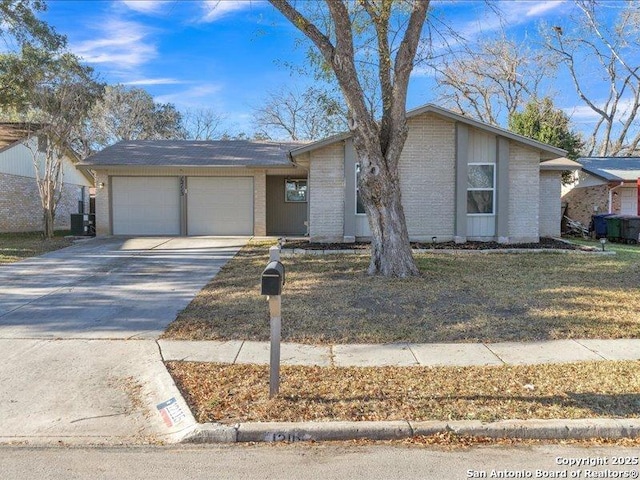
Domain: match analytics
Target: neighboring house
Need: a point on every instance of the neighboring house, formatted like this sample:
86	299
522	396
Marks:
20	207
605	185
461	180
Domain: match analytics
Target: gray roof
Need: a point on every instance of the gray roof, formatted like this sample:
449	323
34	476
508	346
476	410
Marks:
547	152
612	168
191	153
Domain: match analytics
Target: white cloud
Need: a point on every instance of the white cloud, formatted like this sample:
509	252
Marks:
216	9
197	96
145	6
581	114
543	7
585	114
122	43
511	14
154	81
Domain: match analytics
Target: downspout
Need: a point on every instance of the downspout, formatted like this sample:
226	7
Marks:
611	195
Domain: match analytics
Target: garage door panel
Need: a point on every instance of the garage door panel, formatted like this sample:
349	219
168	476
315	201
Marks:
220	206
145	205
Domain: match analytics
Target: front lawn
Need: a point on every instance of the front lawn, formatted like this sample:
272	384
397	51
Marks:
18	246
459	298
240	393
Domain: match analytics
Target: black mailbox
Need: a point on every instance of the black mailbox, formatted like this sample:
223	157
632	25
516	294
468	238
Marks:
273	279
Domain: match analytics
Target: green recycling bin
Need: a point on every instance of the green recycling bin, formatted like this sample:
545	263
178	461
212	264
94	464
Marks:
614	228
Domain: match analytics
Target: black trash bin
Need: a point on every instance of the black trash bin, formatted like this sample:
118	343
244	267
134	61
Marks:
631	229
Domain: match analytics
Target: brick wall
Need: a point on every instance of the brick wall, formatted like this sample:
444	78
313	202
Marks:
326	179
582	200
524	194
427	177
21	210
550	208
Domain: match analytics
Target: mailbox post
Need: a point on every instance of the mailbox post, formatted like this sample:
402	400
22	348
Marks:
272	282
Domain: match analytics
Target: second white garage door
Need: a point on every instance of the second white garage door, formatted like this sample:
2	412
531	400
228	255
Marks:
220	206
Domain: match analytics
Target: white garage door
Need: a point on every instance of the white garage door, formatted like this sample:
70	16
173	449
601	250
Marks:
220	206
145	205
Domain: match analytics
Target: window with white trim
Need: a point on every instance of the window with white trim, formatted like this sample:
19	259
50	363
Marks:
481	190
359	204
295	191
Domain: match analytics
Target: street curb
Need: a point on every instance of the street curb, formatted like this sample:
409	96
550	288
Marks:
291	252
397	430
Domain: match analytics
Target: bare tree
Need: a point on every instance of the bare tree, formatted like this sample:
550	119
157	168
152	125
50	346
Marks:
310	115
56	92
203	123
610	85
492	79
378	144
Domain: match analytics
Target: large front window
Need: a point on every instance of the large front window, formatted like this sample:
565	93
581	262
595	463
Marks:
481	189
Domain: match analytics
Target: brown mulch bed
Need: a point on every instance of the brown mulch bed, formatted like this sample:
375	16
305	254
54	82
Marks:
240	393
545	243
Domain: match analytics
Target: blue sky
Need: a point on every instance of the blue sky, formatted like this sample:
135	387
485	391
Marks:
227	54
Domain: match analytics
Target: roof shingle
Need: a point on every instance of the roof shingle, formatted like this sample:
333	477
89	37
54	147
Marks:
191	153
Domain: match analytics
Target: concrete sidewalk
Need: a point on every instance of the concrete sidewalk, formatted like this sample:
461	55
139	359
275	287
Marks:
404	354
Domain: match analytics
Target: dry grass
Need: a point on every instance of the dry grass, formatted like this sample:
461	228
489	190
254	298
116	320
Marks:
239	393
458	298
18	246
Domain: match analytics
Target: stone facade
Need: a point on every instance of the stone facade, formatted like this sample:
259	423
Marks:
582	203
21	210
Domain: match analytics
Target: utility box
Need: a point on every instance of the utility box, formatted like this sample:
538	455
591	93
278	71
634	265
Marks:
273	279
83	224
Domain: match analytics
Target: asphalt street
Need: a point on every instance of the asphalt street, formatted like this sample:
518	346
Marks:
322	461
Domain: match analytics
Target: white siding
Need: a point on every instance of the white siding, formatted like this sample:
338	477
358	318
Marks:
18	160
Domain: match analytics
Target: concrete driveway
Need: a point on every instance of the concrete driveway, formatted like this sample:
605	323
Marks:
108	288
79	361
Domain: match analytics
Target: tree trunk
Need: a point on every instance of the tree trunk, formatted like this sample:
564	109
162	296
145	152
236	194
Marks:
391	254
48	219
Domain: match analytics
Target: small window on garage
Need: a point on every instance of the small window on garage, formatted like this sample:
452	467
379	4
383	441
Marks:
481	189
295	190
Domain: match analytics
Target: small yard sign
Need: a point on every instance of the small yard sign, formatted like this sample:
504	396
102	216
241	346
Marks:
171	412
